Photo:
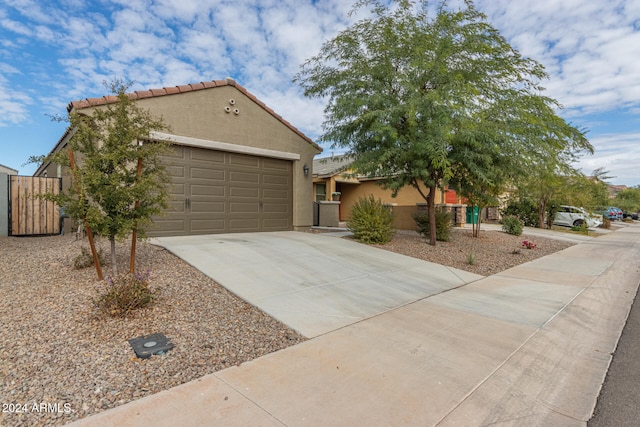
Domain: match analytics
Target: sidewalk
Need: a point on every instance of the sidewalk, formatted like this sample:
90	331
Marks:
529	346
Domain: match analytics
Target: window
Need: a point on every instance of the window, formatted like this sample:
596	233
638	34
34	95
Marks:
321	192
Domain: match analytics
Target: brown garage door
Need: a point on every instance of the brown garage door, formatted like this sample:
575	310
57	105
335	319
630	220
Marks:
218	192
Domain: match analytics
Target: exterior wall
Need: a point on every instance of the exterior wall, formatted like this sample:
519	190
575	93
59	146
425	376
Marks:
407	196
7	170
4	204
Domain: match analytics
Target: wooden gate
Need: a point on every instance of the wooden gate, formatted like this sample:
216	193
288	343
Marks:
29	214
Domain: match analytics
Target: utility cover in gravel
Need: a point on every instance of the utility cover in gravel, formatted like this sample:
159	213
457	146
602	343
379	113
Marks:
148	345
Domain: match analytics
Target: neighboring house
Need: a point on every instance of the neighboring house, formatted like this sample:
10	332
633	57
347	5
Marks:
333	175
236	165
615	189
8	170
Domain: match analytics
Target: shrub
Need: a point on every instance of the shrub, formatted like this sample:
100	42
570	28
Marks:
85	259
582	228
124	294
371	221
524	209
606	223
443	224
512	225
529	244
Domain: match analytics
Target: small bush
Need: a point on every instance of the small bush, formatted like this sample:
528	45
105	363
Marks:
125	294
371	221
443	224
528	244
606	223
85	259
512	225
582	229
524	209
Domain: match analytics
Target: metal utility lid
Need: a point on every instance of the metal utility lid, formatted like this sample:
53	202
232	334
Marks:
148	345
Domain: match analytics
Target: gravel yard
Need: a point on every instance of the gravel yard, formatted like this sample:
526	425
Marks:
490	253
56	350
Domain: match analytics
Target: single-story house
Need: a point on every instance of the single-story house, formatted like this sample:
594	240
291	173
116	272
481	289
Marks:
333	179
8	170
236	165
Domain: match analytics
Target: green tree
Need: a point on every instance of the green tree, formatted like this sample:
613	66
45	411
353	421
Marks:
628	199
119	181
421	99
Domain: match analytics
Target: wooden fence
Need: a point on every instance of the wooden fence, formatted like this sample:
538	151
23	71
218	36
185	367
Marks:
29	214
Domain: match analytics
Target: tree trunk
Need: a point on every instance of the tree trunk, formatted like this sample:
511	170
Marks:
114	264
134	234
431	208
92	245
542	207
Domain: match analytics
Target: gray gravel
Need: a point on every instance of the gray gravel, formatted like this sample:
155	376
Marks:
56	350
490	253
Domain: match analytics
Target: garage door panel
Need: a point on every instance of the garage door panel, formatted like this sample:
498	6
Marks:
217	192
208	174
244	161
207	190
167	227
269	193
207	226
209	156
275	208
244	207
276	180
176	189
237	177
175	206
208	207
251	192
176	171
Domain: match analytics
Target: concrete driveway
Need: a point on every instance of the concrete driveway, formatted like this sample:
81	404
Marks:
313	283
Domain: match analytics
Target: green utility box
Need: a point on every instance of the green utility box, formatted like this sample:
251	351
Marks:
472	214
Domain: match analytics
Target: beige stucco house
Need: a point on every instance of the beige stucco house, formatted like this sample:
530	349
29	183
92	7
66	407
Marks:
332	175
236	165
8	170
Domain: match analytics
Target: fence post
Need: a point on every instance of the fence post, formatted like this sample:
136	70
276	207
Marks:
4	204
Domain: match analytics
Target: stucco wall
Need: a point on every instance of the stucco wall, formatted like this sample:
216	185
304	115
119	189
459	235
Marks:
351	193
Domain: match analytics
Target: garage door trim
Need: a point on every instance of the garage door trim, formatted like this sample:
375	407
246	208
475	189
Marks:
223	146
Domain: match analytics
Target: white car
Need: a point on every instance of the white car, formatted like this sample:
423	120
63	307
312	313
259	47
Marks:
572	216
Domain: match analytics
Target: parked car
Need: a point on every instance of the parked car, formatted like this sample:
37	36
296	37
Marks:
633	215
571	216
611	213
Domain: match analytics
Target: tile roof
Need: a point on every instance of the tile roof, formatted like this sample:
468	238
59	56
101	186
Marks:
329	166
152	93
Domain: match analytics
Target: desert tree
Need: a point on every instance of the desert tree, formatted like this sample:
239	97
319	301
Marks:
118	182
414	95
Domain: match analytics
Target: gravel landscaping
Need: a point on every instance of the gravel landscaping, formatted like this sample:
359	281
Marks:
56	350
490	253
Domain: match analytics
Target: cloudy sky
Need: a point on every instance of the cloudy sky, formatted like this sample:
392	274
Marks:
56	51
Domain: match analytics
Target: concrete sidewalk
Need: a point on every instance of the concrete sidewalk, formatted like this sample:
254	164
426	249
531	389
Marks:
529	346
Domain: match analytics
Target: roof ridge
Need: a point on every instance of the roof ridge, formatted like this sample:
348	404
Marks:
164	91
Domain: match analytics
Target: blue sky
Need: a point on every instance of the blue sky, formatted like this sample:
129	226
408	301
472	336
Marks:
53	52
